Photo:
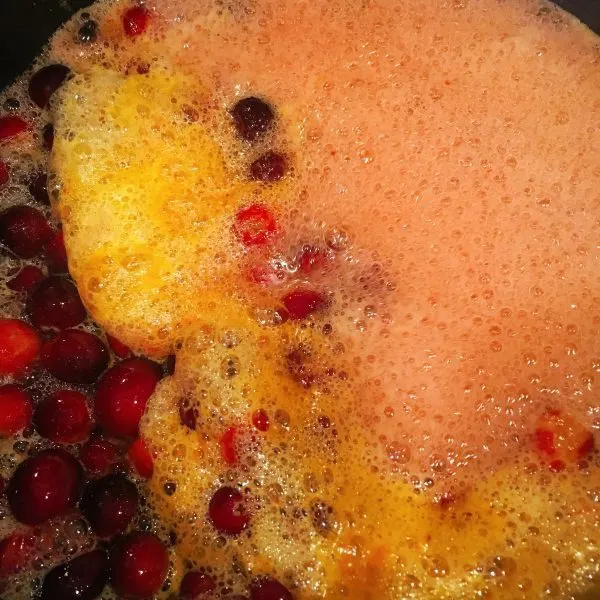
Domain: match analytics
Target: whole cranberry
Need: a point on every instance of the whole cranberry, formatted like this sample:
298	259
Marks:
26	279
265	588
56	253
98	455
45	82
63	417
196	584
135	21
227	511
252	118
11	126
24	230
19	346
15	410
16	551
55	303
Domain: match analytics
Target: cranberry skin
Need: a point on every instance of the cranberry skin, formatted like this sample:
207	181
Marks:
82	578
252	118
44	486
24	230
196	584
45	82
11	126
260	419
265	588
109	504
19	346
48	137
15	410
227	512
139	566
4	173
135	21
26	279
301	303
75	356
63	417
122	394
56	253
38	188
120	349
269	167
55	303
15	552
141	459
254	225
98	455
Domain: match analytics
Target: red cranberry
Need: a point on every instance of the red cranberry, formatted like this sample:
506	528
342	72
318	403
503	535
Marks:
24	230
98	455
140	565
38	188
45	82
26	279
301	303
56	253
19	346
56	303
254	225
11	126
15	410
260	419
265	588
135	21
44	486
122	394
252	118
15	552
120	349
75	356
269	167
109	504
4	173
63	417
227	512
196	584
311	259
141	459
82	578
48	137
227	443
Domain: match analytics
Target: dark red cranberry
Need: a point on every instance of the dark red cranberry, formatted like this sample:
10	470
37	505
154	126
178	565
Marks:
196	584
45	82
254	225
55	302
26	279
19	346
4	173
188	413
120	349
109	504
24	230
16	550
44	486
56	253
141	459
265	588
260	419
301	303
135	21
48	137
88	32
227	444
269	167
227	511
122	394
15	410
63	417
38	188
252	118
11	126
139	566
82	578
169	366
98	455
75	356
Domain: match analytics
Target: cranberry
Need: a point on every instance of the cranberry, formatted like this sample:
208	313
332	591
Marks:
82	578
312	258
4	173
19	346
135	21
254	225
44	486
56	253
196	584
301	303
75	356
45	82
24	230
63	417
98	456
122	394
48	137
260	420
88	32
252	118
227	444
227	512
269	167
188	413
38	188
141	459
11	126
109	504
56	303
26	279
140	565
120	349
15	552
15	410
265	588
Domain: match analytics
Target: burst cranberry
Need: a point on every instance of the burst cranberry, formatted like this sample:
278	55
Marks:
109	504
254	225
120	349
19	346
44	486
140	565
123	392
4	173
135	21
24	230
15	410
252	118
260	419
227	444
26	279
227	511
269	167
11	126
63	417
45	82
301	303
15	552
56	303
48	137
75	356
38	188
82	578
98	455
141	459
56	253
265	588
196	584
